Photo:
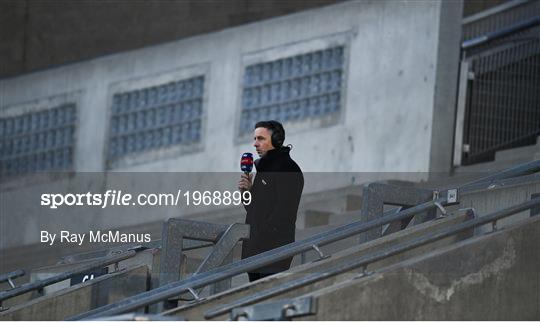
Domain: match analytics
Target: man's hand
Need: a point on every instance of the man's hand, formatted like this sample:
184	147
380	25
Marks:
245	182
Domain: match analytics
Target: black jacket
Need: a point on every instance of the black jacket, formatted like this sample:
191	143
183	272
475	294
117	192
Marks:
275	196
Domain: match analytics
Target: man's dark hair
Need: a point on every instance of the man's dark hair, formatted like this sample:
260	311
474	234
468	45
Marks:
278	132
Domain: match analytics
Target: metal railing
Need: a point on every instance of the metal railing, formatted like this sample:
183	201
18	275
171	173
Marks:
517	171
367	259
8	277
498	99
498	17
188	244
251	263
491	36
38	285
227	271
179	235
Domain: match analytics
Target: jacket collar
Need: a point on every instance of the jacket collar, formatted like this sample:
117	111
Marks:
272	155
276	153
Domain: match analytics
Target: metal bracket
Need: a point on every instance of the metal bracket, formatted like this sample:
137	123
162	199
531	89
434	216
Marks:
10	276
470	211
195	295
276	311
442	209
494	227
364	273
322	256
10	281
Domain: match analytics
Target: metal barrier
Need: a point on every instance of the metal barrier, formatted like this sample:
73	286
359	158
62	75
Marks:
498	17
498	99
187	245
440	199
517	171
178	235
8	277
361	262
206	278
38	285
140	317
376	195
491	36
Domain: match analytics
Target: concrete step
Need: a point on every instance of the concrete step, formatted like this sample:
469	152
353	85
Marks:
196	311
29	257
82	297
489	277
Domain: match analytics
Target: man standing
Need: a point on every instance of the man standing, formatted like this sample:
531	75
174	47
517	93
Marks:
275	195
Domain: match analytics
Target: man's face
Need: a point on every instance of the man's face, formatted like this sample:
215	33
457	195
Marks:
262	140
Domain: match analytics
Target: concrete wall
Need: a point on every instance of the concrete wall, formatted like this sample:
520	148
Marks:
390	87
386	120
82	297
197	311
492	277
40	34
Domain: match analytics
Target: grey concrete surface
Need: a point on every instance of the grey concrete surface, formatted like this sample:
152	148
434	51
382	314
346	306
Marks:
145	257
196	311
490	277
393	49
512	192
71	32
389	87
82	297
42	34
442	130
34	255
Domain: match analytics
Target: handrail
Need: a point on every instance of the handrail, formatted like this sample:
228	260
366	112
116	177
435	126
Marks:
367	259
63	276
7	276
253	262
493	11
481	40
519	170
189	244
271	256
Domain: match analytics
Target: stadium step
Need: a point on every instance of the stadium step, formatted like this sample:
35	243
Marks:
196	311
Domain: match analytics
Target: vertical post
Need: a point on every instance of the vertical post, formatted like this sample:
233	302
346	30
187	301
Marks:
376	195
170	265
372	208
171	254
460	114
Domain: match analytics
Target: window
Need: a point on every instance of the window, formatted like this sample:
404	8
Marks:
38	141
301	87
156	117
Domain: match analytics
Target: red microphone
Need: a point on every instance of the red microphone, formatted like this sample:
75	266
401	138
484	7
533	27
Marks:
246	162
